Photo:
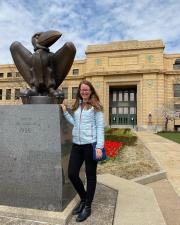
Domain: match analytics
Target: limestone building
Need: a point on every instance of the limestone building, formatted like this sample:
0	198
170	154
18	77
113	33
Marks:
138	84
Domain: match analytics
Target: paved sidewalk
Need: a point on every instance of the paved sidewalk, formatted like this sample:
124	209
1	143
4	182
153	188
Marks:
168	200
103	207
102	211
167	153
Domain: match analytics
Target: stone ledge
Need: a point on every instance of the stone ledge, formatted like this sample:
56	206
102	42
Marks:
146	179
41	216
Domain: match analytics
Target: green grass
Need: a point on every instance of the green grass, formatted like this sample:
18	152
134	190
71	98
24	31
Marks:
173	136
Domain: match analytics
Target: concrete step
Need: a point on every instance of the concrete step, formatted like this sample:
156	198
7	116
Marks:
136	204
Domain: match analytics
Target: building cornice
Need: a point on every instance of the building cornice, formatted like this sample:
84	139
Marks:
12	79
172	56
79	61
125	72
172	72
74	77
125	45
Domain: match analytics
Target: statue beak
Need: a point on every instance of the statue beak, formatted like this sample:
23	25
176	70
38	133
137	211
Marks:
48	38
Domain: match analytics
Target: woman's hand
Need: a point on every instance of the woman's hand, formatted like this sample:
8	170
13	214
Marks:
63	107
98	153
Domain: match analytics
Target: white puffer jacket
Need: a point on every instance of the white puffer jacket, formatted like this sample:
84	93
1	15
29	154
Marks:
88	126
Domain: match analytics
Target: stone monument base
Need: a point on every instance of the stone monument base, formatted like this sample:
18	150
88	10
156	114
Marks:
34	154
41	216
42	99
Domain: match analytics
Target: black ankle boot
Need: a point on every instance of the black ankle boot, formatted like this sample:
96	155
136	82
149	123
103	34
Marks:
85	213
79	208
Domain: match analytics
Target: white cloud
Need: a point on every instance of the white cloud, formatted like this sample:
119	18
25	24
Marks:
89	22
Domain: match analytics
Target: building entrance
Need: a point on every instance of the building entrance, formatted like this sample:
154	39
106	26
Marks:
123	106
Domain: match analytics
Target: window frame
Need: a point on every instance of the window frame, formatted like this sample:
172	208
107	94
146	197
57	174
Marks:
74	94
8	95
65	93
16	97
176	91
1	94
9	75
75	72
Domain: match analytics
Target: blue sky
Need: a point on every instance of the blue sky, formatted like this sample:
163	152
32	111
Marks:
89	22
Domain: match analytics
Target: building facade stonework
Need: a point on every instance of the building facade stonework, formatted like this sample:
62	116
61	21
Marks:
138	84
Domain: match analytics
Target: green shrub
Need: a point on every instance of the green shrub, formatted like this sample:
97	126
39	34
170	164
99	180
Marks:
123	135
107	129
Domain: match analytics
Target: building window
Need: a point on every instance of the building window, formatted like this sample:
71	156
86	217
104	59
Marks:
75	71
1	75
126	96
120	110
125	110
132	97
132	110
176	90
18	74
120	96
74	92
176	65
8	94
9	74
177	107
17	94
65	92
114	110
1	91
114	96
177	110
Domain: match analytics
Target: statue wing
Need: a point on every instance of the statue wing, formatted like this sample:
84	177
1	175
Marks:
62	62
23	60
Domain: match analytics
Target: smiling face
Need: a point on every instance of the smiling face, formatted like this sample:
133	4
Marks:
85	92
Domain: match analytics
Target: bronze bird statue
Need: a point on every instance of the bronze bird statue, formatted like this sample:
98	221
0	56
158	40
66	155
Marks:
43	70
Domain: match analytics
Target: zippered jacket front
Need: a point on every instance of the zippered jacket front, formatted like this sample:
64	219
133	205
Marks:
88	126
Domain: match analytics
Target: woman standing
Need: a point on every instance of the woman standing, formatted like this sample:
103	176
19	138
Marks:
88	128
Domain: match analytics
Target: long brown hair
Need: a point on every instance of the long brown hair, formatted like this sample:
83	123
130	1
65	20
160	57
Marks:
93	100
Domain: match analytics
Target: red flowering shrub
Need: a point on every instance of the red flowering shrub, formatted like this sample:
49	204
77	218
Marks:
112	148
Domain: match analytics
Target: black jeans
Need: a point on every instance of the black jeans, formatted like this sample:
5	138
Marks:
80	154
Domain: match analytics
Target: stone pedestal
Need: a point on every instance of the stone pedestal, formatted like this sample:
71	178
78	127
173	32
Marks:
35	142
